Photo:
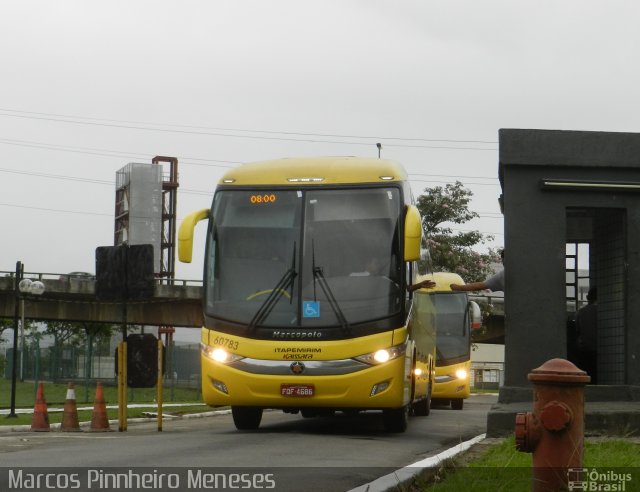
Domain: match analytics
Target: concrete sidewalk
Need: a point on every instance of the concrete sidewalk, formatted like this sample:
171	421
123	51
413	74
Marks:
612	418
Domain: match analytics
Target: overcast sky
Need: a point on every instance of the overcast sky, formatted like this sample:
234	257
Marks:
89	86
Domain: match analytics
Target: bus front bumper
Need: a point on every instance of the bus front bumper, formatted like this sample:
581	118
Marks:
381	386
454	388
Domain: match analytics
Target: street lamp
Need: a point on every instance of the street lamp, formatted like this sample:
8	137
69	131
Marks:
22	287
28	286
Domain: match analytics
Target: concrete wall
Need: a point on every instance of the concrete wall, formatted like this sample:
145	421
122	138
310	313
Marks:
536	234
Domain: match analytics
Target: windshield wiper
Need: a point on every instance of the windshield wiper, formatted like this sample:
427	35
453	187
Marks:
439	355
318	275
285	282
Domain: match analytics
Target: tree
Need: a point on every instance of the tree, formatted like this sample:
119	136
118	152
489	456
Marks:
454	252
64	333
74	335
98	336
5	324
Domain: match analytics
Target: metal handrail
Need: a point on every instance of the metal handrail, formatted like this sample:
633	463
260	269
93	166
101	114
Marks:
64	276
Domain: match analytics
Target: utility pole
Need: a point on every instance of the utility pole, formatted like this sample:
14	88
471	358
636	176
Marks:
14	359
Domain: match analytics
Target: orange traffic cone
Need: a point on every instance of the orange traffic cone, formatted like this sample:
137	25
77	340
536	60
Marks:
99	419
40	420
70	414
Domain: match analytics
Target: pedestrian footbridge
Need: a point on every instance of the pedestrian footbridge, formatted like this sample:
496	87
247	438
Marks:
72	298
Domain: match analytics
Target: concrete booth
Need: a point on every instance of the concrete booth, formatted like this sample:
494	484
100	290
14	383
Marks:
571	204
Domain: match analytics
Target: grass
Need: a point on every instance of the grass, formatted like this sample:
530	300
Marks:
112	414
55	395
483	390
500	467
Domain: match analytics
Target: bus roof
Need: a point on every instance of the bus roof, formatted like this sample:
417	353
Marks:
315	171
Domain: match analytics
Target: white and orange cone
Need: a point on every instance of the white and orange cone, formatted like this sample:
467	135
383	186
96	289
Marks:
70	421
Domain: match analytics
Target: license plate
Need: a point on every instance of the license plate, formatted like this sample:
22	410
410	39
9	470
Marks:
297	389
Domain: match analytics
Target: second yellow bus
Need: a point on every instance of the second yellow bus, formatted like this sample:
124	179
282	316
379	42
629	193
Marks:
455	318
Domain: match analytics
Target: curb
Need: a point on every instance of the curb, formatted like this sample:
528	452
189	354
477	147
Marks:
395	480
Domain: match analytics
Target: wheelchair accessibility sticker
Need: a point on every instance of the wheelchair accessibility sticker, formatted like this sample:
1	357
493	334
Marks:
310	309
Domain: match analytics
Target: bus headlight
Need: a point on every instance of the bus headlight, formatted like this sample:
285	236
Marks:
219	354
461	374
383	355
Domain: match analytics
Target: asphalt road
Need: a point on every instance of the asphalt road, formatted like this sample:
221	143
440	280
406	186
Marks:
288	452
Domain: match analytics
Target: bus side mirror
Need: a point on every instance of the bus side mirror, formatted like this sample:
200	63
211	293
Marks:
185	234
475	316
412	234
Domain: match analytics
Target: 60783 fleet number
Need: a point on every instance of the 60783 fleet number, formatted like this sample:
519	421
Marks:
226	342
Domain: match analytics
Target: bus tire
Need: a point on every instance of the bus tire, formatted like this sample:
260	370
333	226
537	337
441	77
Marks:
246	418
396	419
457	403
422	408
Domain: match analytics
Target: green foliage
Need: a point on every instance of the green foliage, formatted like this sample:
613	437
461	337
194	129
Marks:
93	337
74	334
100	336
5	324
612	453
55	395
64	331
500	467
454	251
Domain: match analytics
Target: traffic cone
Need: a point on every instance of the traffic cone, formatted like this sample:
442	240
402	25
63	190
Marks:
40	420
70	421
99	419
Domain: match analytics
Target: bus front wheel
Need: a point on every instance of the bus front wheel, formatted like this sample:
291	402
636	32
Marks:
396	419
246	418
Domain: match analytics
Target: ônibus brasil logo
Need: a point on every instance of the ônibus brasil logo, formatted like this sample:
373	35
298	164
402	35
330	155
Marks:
593	479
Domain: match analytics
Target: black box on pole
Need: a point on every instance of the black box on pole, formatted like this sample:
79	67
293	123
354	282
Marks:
111	273
142	360
140	276
124	272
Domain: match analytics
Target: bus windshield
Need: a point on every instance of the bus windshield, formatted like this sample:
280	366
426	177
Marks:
304	258
453	337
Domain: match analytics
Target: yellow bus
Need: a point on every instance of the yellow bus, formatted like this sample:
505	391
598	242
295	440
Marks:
306	300
455	319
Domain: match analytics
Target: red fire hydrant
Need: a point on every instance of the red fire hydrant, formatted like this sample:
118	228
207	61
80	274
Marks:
554	431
